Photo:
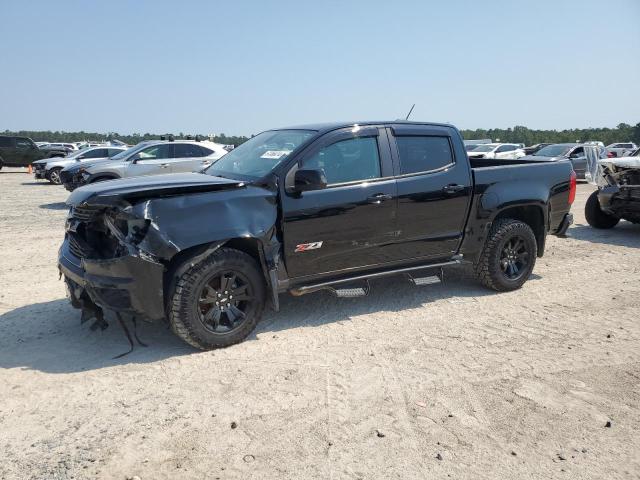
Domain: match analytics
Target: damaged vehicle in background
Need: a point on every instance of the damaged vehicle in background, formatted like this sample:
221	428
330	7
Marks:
49	169
153	157
302	209
618	194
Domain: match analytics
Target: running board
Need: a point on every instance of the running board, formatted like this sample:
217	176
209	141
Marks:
353	291
426	280
331	284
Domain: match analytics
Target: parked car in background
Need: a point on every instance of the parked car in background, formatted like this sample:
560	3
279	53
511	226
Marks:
155	158
562	151
621	149
497	151
49	169
534	148
19	151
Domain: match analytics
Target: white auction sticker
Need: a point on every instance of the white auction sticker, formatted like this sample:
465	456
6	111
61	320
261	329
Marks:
275	154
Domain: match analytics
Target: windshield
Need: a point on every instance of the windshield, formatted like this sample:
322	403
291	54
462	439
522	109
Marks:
553	151
260	154
484	148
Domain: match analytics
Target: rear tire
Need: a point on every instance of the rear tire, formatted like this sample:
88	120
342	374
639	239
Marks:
193	311
595	216
508	257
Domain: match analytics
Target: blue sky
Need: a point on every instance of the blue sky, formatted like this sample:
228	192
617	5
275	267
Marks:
243	66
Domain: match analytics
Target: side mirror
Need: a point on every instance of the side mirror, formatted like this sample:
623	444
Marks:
306	180
135	158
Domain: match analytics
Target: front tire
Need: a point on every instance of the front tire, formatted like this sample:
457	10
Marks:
595	216
219	301
54	176
508	257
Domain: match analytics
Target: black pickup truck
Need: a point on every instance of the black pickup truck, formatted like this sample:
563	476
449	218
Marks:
303	209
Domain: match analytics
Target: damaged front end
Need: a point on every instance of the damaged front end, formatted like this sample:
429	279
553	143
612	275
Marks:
105	267
619	188
122	237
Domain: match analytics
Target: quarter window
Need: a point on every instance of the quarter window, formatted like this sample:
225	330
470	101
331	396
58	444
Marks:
347	160
422	154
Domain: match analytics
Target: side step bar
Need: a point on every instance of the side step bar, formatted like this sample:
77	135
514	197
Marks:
331	285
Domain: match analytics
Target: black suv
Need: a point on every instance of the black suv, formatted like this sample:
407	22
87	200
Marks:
19	151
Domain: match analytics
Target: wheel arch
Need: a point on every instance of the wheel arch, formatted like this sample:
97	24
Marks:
184	259
532	215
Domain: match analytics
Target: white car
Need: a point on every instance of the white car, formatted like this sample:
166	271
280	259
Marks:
497	150
622	149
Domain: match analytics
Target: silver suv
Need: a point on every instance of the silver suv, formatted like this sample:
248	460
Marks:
155	158
49	168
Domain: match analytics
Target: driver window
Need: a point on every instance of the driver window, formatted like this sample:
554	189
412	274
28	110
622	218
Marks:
578	152
347	160
155	152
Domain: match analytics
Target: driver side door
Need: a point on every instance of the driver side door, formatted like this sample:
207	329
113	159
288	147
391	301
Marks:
153	160
352	222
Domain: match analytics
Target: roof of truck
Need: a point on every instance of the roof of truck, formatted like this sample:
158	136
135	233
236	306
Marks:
328	126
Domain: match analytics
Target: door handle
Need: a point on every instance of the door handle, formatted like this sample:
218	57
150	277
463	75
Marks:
164	165
379	198
452	188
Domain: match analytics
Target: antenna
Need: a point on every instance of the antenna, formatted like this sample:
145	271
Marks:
408	114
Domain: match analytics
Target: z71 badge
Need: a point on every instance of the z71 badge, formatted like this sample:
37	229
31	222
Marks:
303	247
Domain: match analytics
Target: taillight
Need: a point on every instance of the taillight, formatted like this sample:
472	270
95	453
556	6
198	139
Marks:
611	155
573	184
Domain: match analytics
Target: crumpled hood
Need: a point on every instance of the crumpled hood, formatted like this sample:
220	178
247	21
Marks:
621	162
110	191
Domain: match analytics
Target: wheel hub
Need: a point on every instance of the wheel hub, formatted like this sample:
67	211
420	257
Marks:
224	301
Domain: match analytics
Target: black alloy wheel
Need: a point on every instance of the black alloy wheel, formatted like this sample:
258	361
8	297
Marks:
224	302
514	258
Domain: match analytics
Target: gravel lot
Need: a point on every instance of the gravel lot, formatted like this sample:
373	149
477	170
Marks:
446	381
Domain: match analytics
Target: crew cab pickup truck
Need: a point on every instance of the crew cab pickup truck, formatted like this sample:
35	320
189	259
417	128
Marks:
304	209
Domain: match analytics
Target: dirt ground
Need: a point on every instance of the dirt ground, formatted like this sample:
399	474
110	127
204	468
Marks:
444	381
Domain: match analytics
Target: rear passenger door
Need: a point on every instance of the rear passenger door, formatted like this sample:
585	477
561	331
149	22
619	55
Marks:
434	190
188	158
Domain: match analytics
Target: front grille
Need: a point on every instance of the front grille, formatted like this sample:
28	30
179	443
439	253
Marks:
39	167
76	247
86	213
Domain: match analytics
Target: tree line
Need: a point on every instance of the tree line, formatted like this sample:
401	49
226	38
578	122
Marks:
518	134
69	137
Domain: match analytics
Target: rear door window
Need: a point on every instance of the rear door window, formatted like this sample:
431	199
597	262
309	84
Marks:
6	142
423	153
187	150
